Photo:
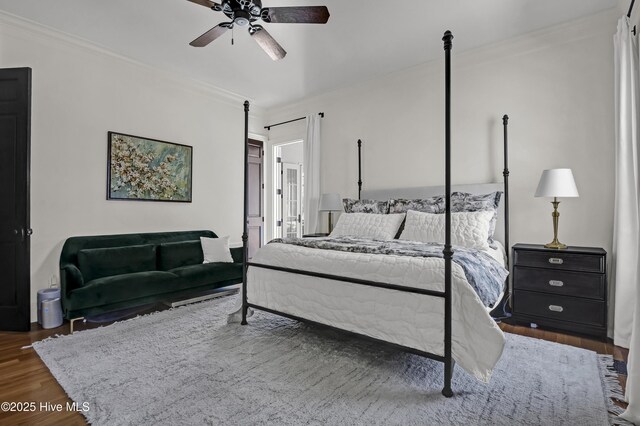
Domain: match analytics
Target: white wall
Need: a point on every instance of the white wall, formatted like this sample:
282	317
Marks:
557	87
80	93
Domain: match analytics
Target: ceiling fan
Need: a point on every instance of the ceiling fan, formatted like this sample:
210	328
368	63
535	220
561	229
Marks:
244	13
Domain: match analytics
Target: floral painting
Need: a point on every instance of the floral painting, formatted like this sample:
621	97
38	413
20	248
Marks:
148	169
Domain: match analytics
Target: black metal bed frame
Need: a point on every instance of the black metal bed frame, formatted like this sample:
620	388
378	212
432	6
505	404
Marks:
446	295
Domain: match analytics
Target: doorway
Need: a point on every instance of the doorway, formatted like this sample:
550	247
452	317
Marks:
15	231
288	190
255	219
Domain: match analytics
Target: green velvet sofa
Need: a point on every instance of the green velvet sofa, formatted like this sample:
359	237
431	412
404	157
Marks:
104	273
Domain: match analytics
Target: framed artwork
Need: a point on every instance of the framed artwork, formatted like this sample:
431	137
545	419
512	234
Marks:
146	169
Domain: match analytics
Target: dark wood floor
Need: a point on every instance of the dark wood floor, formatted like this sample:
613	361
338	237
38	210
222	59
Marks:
25	378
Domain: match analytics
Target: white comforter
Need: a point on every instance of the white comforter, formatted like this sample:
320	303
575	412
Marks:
407	319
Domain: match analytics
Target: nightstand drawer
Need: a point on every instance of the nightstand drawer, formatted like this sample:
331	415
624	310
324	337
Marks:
580	284
563	308
560	260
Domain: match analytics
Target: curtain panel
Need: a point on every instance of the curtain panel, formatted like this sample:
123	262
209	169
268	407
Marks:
311	154
626	215
626	237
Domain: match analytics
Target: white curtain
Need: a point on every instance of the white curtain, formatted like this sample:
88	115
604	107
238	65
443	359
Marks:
311	153
626	216
627	211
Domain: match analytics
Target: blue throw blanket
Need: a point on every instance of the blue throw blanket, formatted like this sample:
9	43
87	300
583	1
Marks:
484	273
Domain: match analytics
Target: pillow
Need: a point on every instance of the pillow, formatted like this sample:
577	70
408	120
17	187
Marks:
468	229
465	202
216	250
426	205
107	262
181	253
368	225
365	206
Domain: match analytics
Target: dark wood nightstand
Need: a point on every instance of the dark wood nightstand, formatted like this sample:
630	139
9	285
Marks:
561	289
319	234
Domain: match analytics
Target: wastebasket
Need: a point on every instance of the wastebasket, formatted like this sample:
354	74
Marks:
51	313
47	294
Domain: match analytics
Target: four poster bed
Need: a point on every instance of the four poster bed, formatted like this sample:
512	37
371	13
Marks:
395	293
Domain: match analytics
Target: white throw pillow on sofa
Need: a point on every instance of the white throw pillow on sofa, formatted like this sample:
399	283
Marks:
368	225
216	250
468	229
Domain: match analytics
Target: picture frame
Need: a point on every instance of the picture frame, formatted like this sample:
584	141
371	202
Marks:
146	169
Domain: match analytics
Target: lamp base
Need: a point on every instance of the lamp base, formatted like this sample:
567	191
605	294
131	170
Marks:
556	245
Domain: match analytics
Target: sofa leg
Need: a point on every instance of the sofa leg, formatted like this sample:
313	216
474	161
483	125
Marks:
73	320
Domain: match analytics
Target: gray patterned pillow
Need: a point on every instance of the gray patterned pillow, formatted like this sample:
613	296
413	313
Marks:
365	206
465	202
426	205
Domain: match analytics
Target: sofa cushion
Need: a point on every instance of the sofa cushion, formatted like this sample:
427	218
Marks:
105	262
114	289
209	273
182	253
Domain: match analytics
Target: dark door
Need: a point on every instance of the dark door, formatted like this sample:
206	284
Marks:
15	121
256	214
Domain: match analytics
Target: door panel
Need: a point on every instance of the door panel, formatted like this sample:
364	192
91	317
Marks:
291	200
15	116
255	173
277	200
255	208
8	295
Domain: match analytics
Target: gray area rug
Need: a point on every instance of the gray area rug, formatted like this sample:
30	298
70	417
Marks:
187	366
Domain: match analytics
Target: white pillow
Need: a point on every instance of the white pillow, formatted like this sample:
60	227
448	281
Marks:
468	229
216	250
368	225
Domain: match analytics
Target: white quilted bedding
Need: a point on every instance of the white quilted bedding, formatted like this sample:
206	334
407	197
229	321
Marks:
408	319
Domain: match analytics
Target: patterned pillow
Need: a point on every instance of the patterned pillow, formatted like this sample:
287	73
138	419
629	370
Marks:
365	206
426	205
465	202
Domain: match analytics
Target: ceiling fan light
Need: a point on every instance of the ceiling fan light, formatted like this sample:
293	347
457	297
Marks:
242	18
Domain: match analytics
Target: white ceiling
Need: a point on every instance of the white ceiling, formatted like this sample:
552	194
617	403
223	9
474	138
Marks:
363	39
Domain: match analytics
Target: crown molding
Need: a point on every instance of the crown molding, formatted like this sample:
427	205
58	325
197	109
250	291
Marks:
17	26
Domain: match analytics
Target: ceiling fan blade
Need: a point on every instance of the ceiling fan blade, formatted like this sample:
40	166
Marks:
296	15
209	36
268	43
206	3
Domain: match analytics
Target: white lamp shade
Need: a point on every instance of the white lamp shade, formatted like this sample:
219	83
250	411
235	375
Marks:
330	203
557	183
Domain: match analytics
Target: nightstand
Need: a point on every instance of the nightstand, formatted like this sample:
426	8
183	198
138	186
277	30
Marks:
561	289
319	234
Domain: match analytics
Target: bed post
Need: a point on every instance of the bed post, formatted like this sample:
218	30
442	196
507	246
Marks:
359	167
448	251
505	174
499	311
245	233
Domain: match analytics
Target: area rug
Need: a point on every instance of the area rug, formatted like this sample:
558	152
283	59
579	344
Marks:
187	366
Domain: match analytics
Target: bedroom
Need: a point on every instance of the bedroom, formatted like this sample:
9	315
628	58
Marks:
129	68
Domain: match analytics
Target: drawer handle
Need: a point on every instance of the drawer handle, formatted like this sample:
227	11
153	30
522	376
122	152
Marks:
556	260
556	283
556	308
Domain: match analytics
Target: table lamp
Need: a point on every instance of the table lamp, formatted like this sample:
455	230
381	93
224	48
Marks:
556	183
330	203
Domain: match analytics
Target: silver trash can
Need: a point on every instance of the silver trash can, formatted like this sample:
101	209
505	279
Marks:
51	313
46	294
